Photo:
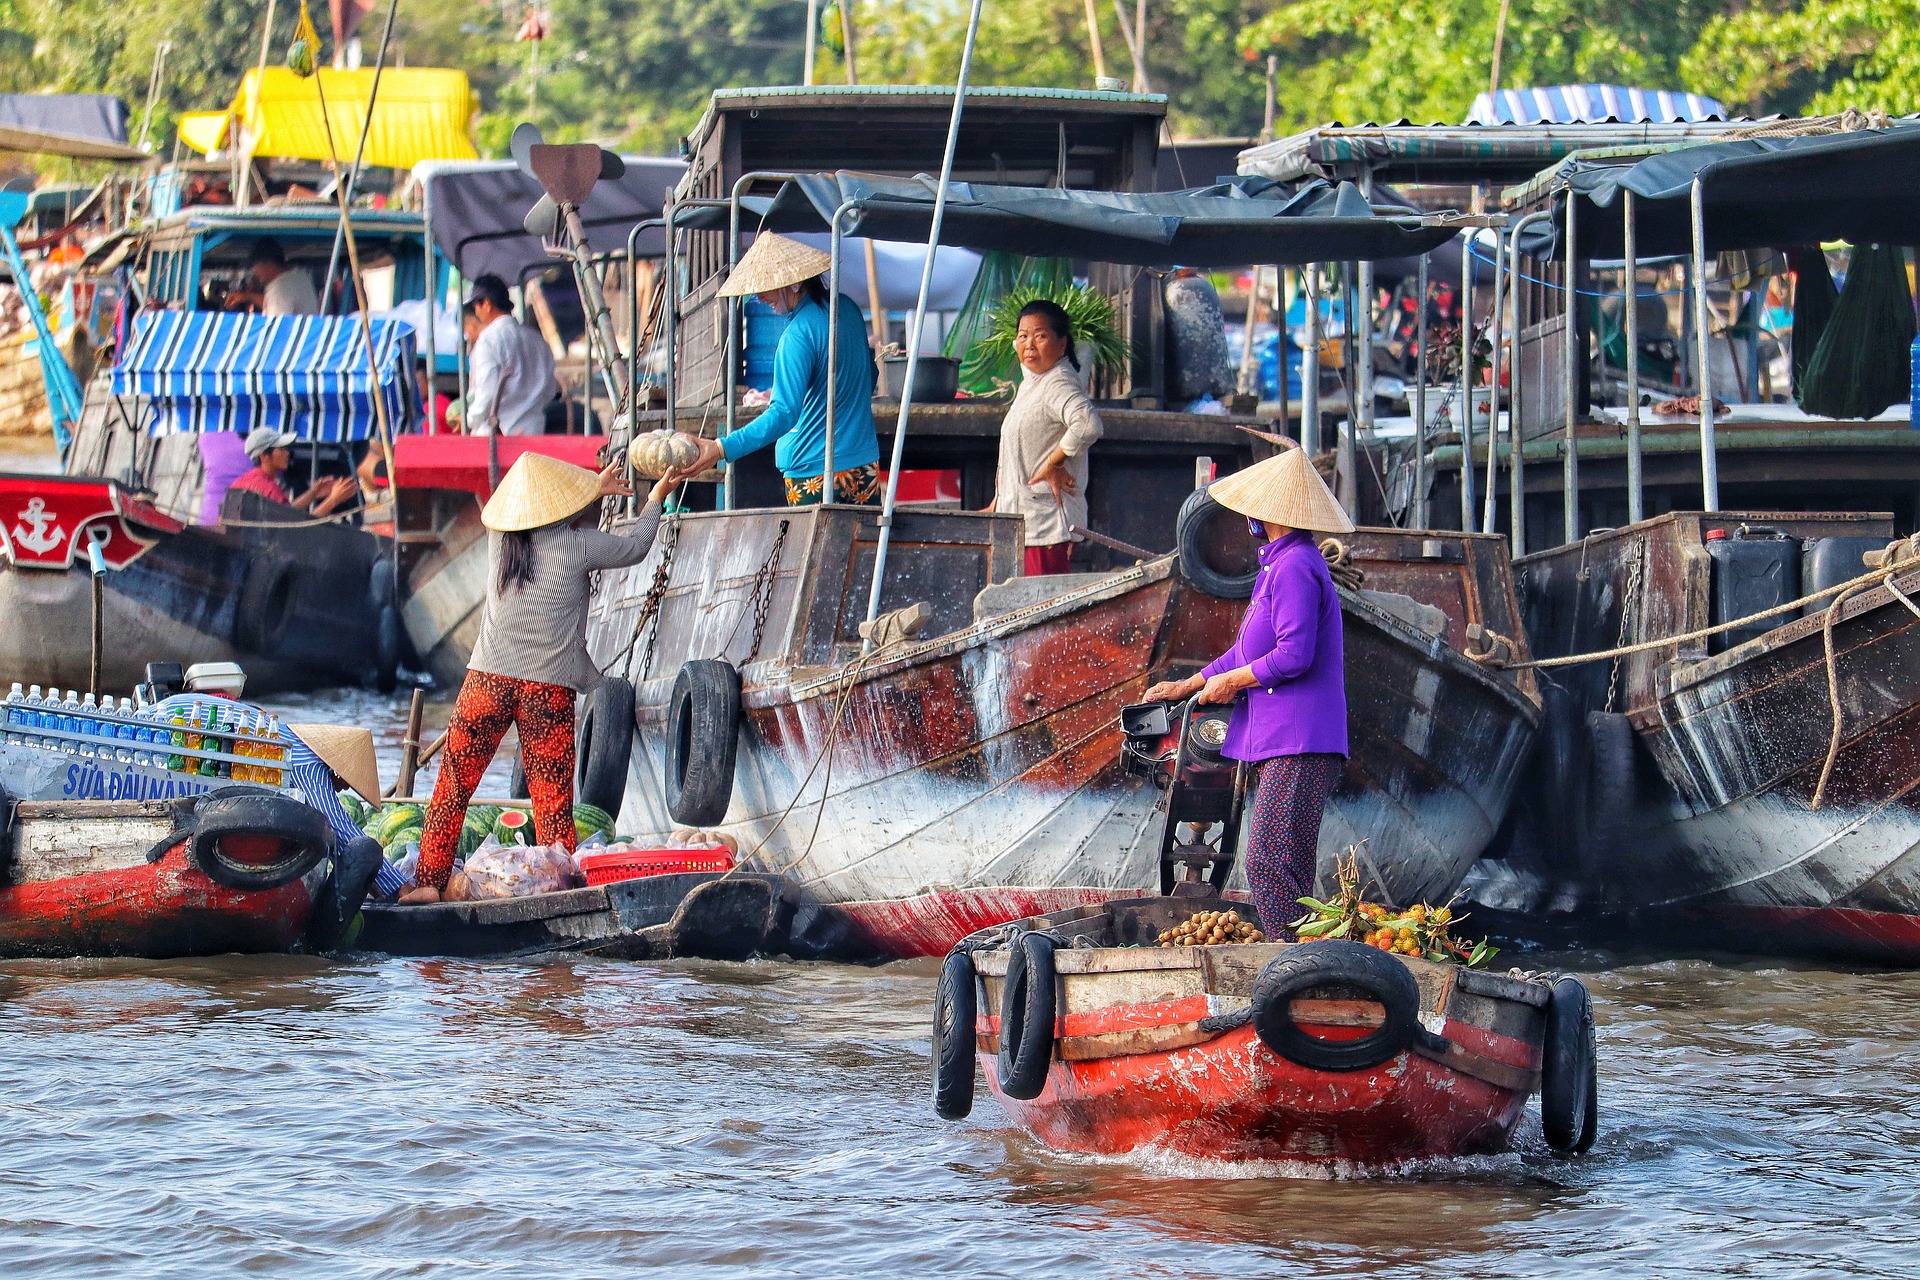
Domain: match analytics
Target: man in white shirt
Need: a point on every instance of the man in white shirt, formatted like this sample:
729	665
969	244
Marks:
509	367
283	290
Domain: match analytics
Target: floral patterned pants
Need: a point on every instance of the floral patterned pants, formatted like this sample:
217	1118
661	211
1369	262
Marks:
1283	835
858	487
487	705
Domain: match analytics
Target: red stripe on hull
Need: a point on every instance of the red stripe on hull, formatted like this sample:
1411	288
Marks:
1233	1099
1845	933
929	924
157	910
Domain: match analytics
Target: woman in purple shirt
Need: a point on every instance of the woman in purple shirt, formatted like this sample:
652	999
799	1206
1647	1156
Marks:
1288	661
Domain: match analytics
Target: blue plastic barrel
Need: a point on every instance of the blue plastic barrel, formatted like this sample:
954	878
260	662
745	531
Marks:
764	327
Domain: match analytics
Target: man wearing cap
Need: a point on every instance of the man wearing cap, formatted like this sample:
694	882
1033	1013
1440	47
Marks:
786	275
1285	676
509	367
281	290
270	453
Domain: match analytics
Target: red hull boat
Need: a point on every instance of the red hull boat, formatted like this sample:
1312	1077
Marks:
1328	1052
160	879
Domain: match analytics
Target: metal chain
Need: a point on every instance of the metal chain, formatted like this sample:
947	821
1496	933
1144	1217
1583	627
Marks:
763	591
650	606
1629	604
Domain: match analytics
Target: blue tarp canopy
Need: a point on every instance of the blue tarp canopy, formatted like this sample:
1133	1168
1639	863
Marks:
1758	193
1230	223
223	371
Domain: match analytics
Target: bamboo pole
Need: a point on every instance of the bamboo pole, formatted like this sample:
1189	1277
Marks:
1093	41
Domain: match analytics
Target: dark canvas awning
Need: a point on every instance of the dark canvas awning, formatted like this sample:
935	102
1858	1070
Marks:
1233	223
86	125
1862	187
477	209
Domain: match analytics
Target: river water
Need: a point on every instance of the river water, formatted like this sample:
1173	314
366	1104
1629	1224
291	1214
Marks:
368	1117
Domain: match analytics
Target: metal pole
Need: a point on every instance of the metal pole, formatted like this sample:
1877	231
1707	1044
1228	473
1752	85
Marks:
1279	314
1310	364
1636	510
359	153
834	253
1357	361
433	298
1517	458
920	314
670	317
1467	503
813	28
1418	512
1570	457
1703	334
1487	521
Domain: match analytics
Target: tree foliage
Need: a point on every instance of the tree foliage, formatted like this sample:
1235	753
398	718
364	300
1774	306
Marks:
1820	57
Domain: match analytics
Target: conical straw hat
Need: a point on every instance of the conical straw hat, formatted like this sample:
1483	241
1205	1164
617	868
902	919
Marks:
538	490
348	751
774	262
1285	490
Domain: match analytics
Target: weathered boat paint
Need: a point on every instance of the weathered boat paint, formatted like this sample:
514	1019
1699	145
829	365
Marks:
978	773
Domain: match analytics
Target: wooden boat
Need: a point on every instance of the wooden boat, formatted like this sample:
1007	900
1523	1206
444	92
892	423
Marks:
713	916
974	776
162	878
1683	778
1321	1053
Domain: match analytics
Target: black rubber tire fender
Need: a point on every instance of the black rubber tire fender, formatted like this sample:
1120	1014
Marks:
703	737
1612	783
956	1012
1569	1070
264	608
387	645
1029	1004
351	876
1335	962
1216	549
603	745
246	811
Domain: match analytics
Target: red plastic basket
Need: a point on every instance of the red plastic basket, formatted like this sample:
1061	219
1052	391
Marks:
609	866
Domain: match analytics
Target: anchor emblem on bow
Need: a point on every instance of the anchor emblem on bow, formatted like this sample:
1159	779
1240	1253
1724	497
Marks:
45	533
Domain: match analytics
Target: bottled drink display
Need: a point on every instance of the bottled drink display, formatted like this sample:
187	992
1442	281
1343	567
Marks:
208	741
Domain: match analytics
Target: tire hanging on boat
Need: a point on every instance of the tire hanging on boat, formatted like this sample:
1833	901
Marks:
1612	786
956	1012
604	745
703	736
244	838
1217	552
1335	962
1029	1003
265	607
1569	1070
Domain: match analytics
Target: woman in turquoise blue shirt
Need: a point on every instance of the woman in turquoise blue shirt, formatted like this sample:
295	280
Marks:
786	275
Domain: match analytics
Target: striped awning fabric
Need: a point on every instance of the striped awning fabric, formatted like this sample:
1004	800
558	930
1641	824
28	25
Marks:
224	371
1591	104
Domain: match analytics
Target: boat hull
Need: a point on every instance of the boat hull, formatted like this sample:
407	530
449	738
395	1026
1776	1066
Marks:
158	910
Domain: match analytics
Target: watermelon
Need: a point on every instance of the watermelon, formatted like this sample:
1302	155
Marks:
514	826
357	809
588	821
478	826
393	818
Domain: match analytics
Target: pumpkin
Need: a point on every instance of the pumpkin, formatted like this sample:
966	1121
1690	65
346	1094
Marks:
658	452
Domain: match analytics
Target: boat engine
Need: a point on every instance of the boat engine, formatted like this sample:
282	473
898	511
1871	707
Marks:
1177	745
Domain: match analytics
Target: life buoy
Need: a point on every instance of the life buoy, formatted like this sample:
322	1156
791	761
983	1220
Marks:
245	838
1335	962
1217	552
956	1012
264	607
604	745
1029	1004
1569	1070
703	736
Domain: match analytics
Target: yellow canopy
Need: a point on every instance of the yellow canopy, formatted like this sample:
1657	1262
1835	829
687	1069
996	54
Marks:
422	114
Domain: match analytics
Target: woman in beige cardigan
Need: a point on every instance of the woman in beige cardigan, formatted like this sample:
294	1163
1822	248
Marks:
1044	439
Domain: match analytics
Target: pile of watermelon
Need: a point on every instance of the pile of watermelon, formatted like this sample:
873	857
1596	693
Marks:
396	825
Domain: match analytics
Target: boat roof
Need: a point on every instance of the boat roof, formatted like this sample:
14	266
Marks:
478	208
89	126
1457	153
421	113
317	215
1230	223
1858	185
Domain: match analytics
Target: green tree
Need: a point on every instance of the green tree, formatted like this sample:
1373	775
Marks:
1357	60
1819	57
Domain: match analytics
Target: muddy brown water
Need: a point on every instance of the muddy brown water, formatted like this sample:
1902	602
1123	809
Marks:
289	1115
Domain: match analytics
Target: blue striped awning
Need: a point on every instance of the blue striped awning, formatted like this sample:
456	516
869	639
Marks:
224	371
1592	104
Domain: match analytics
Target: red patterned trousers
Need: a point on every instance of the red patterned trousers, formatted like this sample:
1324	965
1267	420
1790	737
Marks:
487	705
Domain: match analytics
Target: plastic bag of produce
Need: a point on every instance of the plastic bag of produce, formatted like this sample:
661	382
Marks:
515	871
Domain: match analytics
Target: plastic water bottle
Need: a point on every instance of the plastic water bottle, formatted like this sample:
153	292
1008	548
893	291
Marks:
31	716
15	714
70	711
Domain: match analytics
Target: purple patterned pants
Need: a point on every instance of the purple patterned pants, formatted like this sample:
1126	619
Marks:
1283	835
